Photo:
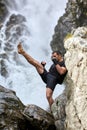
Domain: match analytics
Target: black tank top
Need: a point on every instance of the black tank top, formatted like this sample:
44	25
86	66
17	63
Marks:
53	71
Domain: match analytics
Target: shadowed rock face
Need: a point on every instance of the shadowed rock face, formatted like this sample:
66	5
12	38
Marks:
75	16
15	116
39	118
10	111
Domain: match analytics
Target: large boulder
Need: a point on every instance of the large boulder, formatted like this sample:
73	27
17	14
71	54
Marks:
10	111
39	118
76	63
75	16
15	116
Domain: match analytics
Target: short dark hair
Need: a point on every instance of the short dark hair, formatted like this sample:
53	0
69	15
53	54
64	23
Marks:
58	52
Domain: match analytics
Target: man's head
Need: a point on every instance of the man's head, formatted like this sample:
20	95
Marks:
56	54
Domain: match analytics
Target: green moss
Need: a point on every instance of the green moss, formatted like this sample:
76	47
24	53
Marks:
69	35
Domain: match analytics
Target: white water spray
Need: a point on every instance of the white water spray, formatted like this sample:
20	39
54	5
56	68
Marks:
41	18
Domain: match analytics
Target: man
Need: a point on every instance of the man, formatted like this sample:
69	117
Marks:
55	75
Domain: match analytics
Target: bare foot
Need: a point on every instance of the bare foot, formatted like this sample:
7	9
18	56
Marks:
20	49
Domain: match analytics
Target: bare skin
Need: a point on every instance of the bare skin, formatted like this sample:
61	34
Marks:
61	70
40	69
32	61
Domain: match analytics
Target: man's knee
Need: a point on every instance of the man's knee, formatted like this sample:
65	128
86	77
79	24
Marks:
48	96
39	68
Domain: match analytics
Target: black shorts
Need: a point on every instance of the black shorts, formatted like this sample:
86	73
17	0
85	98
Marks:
49	79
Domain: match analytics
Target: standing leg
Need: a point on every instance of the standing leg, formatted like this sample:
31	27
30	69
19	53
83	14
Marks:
49	94
32	61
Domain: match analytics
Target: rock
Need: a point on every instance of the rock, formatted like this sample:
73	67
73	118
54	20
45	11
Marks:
39	118
16	19
15	116
58	111
76	81
75	16
10	111
1	25
3	11
15	27
3	70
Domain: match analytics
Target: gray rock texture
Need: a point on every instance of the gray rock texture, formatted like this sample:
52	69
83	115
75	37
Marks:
39	118
15	116
76	63
3	11
70	108
58	111
75	16
10	111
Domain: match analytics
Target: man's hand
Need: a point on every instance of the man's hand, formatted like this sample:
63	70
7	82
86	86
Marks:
43	63
20	49
55	61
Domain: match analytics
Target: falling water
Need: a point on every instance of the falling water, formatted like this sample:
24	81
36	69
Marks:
36	33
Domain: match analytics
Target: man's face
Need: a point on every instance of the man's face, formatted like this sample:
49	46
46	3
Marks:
55	55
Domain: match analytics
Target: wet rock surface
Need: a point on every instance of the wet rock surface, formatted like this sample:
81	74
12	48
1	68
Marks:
15	27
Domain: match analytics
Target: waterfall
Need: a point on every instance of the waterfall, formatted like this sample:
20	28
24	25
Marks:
34	29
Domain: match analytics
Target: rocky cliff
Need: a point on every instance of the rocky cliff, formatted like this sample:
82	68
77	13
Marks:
15	116
73	43
76	63
75	16
72	115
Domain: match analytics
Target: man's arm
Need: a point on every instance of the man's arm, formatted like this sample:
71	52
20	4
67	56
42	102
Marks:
62	70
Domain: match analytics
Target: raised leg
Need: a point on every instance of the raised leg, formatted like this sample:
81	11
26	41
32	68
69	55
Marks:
39	67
